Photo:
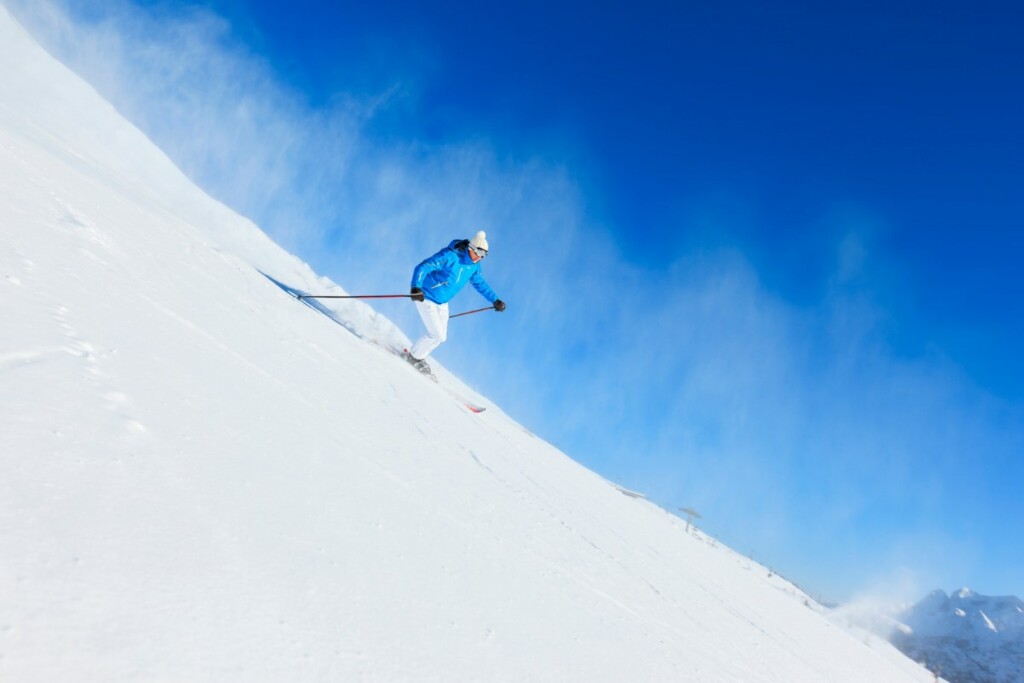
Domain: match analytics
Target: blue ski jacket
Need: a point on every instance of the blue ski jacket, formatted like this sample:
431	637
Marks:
444	274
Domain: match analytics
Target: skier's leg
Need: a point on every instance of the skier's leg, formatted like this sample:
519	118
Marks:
435	320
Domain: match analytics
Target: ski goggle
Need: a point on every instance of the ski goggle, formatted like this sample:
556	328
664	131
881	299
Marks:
479	251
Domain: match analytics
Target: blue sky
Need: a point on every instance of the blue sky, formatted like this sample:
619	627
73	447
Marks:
760	258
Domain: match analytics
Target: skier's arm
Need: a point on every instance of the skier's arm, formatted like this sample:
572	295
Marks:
481	286
435	262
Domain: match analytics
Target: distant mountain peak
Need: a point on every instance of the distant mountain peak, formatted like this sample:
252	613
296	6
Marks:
967	637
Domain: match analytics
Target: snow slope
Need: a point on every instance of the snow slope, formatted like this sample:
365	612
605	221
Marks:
202	479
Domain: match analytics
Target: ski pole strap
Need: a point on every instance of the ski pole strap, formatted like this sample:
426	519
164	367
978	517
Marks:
478	310
354	296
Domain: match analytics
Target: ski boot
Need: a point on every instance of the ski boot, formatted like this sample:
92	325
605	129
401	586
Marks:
418	363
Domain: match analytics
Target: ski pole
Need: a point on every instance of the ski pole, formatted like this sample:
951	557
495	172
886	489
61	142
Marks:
354	296
478	310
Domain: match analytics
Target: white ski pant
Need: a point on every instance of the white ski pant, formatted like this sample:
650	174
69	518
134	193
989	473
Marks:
435	319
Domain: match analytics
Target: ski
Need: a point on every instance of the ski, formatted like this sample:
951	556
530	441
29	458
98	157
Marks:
403	354
424	369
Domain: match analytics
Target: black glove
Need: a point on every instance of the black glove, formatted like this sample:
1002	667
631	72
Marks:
417	294
499	305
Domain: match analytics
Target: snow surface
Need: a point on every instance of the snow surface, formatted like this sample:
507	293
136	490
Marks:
203	479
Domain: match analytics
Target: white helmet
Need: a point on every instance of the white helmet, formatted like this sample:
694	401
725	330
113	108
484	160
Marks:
479	243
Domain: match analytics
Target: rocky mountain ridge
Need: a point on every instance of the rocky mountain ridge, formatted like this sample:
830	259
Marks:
965	637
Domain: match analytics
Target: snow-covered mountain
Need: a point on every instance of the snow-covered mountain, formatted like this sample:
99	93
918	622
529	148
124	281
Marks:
203	479
969	638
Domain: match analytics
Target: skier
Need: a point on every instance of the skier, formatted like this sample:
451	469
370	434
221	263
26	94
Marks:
435	282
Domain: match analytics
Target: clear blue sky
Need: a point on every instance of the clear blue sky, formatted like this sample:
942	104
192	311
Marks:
760	258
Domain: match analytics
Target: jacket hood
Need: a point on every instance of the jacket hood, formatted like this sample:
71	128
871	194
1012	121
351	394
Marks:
460	247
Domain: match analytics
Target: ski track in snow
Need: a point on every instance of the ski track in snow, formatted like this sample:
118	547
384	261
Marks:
9	361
